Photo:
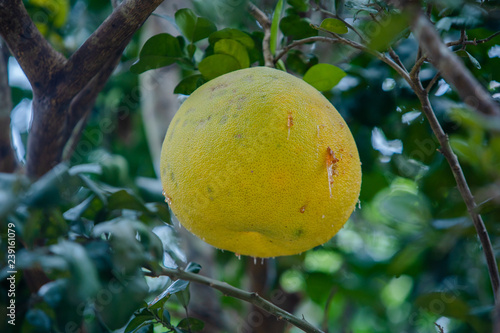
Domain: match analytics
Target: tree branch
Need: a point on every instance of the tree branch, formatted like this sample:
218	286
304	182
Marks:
266	25
452	68
113	34
413	80
82	104
473	42
336	16
8	162
463	187
302	42
35	55
243	295
61	87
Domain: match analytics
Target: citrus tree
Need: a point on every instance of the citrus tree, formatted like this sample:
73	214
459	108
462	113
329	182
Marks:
90	245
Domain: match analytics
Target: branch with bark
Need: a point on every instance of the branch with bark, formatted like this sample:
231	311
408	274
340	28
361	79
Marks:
265	22
452	69
65	89
8	162
229	290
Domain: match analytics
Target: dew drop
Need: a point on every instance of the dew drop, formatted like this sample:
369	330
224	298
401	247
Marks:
262	261
254	260
168	199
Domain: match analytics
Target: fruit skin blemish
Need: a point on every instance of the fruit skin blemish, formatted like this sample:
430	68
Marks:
260	163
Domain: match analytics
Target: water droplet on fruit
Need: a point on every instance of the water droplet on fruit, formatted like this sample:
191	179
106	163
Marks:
167	198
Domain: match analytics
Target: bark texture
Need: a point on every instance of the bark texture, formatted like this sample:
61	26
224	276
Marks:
64	90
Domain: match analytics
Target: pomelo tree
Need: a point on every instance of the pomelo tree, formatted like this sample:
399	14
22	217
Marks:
90	245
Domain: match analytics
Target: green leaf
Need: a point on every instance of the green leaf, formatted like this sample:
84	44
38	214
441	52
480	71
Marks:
39	320
92	168
177	286
299	63
465	150
54	292
158	51
444	304
47	190
275	26
324	76
83	272
216	65
280	64
474	61
470	16
73	214
334	25
357	6
191	48
297	27
189	84
122	199
235	34
128	252
389	31
159	301
183	296
194	28
160	209
193	267
300	6
234	49
191	324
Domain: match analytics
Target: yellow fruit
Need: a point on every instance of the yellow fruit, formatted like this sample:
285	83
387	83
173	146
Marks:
258	162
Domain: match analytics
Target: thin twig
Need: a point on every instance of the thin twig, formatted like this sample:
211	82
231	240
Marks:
463	187
413	80
302	42
265	23
229	290
336	16
452	68
432	82
418	64
474	41
396	58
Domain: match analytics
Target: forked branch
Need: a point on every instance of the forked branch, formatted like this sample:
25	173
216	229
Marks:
265	22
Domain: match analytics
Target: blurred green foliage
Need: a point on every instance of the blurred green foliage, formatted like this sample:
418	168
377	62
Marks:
407	259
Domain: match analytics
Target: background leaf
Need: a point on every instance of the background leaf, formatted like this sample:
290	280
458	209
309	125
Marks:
216	65
334	25
194	28
275	26
324	76
158	51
